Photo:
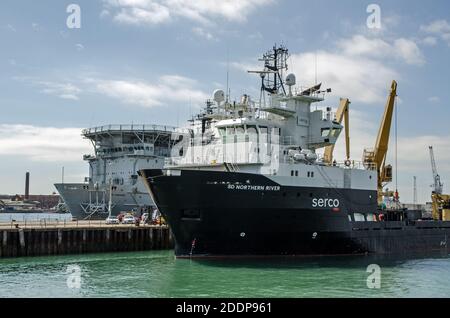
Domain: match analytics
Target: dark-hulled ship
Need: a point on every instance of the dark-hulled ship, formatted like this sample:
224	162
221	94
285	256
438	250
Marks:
250	181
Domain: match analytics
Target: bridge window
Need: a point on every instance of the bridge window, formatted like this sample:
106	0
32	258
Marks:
251	130
240	130
325	132
230	131
335	132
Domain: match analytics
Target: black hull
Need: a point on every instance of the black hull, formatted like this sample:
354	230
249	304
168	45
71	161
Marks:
258	217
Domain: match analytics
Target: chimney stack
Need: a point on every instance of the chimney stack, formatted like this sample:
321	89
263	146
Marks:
27	186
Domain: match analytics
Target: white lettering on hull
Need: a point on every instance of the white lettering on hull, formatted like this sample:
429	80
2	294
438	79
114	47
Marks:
325	203
247	187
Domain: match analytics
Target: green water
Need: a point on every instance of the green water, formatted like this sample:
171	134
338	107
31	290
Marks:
159	274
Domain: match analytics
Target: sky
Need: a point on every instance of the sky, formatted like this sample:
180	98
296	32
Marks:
157	61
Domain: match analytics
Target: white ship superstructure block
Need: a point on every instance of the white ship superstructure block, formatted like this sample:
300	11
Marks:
119	152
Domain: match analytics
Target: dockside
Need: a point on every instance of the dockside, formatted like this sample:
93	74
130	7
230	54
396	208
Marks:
18	240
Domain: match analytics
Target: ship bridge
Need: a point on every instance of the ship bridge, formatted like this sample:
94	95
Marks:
138	140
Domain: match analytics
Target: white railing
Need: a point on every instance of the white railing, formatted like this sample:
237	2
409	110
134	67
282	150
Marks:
133	128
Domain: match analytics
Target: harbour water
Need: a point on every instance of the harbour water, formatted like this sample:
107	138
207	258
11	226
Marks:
159	274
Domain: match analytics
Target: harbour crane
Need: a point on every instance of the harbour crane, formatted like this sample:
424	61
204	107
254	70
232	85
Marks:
375	158
440	203
341	114
437	185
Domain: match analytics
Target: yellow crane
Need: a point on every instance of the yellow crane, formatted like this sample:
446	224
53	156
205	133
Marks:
440	204
376	158
341	114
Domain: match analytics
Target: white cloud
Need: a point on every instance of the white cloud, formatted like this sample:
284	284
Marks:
59	89
203	33
141	12
434	99
170	88
153	12
440	28
43	143
401	48
11	28
36	26
79	47
408	51
430	41
361	45
437	26
358	67
361	79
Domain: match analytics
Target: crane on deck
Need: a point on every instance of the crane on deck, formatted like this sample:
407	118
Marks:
341	114
440	203
375	158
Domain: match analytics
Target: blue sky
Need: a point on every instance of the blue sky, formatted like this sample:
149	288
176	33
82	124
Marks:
155	61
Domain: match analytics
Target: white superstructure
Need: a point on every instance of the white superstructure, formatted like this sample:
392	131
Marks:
277	136
119	152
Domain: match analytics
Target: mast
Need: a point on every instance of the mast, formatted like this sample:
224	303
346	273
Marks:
275	62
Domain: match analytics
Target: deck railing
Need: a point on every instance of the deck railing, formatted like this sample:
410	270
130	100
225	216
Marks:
133	128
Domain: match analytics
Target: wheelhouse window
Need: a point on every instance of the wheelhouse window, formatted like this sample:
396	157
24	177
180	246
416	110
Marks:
263	130
240	130
325	132
230	131
251	130
335	132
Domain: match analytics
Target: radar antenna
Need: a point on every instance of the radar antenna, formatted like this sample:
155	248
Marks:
275	63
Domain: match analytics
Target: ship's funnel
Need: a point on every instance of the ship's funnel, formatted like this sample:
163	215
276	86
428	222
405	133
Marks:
27	186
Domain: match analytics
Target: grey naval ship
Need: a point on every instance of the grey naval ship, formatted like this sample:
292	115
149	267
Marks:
119	152
252	181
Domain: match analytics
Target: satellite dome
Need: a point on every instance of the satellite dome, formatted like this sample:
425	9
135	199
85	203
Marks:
219	95
290	80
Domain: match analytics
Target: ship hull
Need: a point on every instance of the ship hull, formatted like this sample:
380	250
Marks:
76	196
215	214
